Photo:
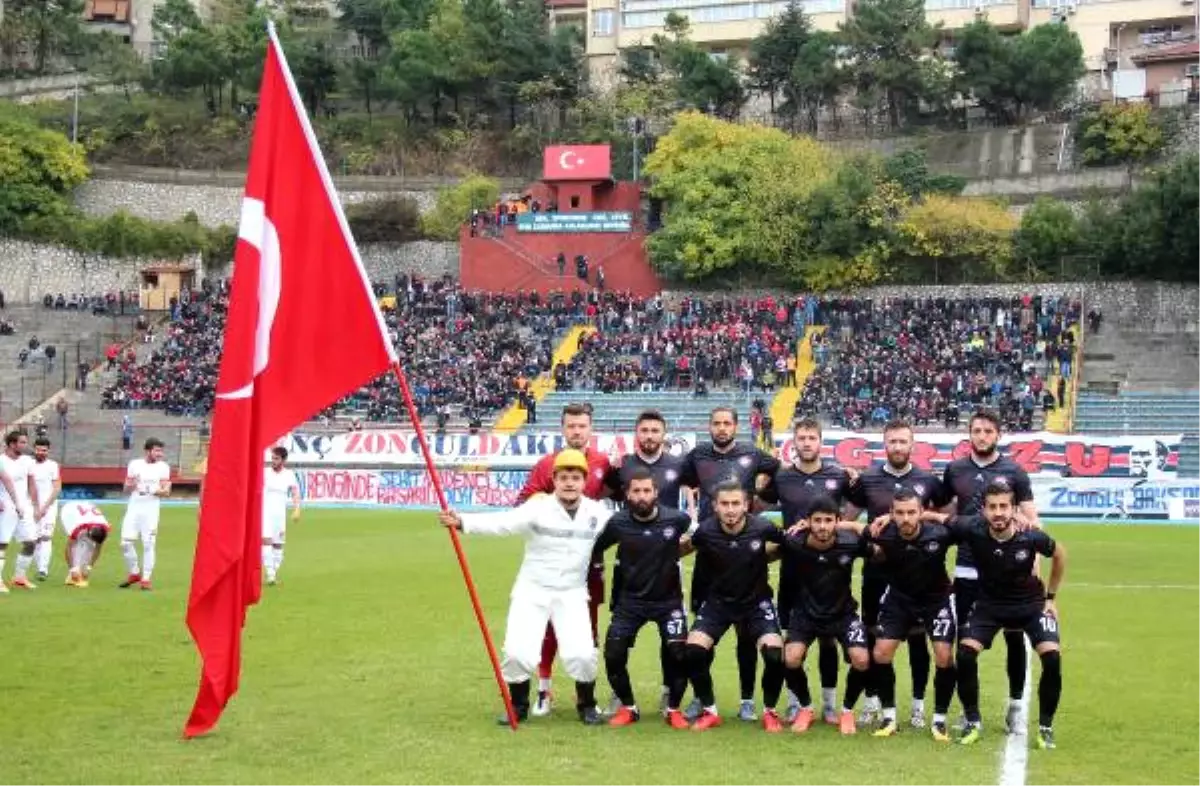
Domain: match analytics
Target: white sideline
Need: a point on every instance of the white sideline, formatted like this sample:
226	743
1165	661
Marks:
1015	757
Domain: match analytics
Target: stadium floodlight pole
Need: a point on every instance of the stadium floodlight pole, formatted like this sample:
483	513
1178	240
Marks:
436	481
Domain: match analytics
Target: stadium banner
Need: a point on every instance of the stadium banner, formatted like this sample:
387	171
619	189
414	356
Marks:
398	448
611	221
1117	498
1041	454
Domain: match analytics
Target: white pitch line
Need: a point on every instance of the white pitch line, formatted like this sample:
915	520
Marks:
1016	746
1086	585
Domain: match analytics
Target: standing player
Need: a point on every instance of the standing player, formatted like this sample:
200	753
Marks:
1011	597
279	488
795	488
148	481
874	491
577	433
964	482
917	596
86	529
19	501
705	468
650	454
47	481
647	537
823	606
551	587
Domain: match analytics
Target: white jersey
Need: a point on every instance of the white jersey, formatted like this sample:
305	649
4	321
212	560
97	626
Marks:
45	475
77	515
148	476
277	487
558	546
18	470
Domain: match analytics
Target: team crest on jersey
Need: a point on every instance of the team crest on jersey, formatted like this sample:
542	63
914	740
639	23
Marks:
919	488
593	522
668	533
746	461
599	472
943	613
677	614
671	475
844	559
1001	480
931	547
1022	555
831	484
755	545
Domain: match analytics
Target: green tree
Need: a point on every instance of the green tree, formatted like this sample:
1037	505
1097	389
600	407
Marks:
985	67
48	28
174	18
910	171
886	41
455	203
39	170
700	81
113	60
1010	75
1047	240
315	72
1124	134
774	52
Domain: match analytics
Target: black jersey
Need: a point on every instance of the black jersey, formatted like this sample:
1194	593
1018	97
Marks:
647	555
705	468
822	592
916	569
1007	579
795	490
965	481
735	565
668	475
876	488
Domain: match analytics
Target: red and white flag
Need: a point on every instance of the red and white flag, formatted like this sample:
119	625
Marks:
303	330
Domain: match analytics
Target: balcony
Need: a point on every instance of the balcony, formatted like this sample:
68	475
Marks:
957	14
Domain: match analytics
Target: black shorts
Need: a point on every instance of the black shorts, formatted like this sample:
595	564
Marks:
874	585
966	592
987	620
848	629
629	617
900	617
715	618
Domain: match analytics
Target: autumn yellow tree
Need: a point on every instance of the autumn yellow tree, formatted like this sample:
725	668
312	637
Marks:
954	239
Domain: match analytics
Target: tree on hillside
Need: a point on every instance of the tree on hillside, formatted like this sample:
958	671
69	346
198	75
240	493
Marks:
110	58
792	59
1010	75
774	52
886	41
39	169
1127	135
48	28
701	82
174	18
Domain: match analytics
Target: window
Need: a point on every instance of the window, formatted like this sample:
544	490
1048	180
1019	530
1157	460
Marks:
602	22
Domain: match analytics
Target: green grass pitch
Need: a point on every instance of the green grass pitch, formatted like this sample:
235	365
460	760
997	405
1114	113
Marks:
365	666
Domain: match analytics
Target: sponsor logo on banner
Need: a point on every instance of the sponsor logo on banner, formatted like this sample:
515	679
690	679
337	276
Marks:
1043	453
1114	498
401	448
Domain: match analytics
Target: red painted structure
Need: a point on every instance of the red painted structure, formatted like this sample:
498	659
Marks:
517	261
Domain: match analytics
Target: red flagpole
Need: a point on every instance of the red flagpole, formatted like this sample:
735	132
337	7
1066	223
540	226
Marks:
415	417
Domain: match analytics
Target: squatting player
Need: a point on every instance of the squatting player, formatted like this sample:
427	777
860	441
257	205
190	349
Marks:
704	469
17	504
280	487
148	481
874	491
87	529
823	606
649	454
551	588
912	559
1011	597
48	482
964	482
647	536
736	548
577	433
795	487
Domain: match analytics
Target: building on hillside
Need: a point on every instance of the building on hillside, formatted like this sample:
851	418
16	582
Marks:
1116	34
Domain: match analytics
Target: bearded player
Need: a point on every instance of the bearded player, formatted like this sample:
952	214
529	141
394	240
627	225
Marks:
48	482
577	433
87	529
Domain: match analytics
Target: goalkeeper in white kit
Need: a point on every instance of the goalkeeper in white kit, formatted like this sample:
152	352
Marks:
560	532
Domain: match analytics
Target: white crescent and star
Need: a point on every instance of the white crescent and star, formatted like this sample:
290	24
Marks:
568	155
257	230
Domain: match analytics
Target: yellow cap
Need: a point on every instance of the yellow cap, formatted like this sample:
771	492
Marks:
571	459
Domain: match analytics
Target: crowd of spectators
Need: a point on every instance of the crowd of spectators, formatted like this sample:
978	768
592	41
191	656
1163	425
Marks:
931	361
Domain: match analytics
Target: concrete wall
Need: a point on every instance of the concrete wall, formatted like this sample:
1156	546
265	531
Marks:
30	270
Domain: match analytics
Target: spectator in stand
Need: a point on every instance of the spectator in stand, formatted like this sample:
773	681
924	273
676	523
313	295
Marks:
927	360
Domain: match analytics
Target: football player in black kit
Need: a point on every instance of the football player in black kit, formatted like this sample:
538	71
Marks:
824	607
647	537
795	487
1011	596
735	547
912	557
873	492
649	454
704	468
963	482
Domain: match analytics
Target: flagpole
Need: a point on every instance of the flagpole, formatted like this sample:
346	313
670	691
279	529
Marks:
436	480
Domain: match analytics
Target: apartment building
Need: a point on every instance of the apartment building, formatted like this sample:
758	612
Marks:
1150	36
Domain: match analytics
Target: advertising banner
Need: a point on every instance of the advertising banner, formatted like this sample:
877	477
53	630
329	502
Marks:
614	221
1115	498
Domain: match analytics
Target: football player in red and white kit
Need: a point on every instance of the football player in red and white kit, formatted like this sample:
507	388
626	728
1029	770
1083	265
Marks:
86	529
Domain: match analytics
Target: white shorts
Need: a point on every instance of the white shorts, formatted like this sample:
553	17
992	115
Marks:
139	523
12	528
274	528
45	527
